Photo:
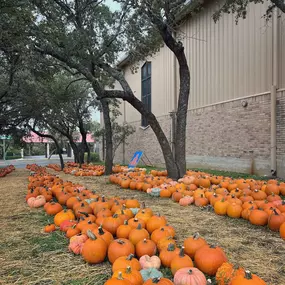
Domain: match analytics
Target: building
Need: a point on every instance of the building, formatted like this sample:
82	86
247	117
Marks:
236	115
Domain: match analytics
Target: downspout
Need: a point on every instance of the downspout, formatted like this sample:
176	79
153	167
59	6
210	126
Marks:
274	87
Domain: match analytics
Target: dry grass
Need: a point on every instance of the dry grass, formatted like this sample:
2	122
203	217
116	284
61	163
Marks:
31	257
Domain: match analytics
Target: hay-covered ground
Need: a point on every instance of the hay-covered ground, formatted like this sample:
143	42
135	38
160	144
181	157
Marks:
28	256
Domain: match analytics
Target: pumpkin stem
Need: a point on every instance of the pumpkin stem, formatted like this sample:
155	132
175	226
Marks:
130	257
139	227
248	275
209	282
190	271
171	247
91	235
275	212
120	241
83	213
156	280
196	236
136	219
125	222
181	253
120	276
129	270
115	216
100	231
143	205
144	240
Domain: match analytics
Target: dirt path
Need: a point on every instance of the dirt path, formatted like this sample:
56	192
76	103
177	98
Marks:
31	257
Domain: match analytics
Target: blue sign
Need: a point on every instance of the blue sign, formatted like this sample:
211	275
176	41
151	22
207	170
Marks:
135	159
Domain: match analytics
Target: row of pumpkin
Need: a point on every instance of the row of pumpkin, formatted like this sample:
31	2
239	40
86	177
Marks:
95	170
129	235
258	201
6	170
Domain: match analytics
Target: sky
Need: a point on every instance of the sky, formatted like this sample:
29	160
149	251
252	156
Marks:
113	6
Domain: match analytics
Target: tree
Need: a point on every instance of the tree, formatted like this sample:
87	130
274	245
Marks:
239	8
120	132
92	42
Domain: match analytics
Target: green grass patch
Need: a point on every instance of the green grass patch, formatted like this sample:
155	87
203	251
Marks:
232	174
54	241
166	272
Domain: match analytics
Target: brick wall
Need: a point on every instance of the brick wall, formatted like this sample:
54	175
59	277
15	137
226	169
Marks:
225	136
145	140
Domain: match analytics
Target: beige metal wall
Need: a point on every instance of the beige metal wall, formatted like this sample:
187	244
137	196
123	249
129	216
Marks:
162	91
281	79
227	61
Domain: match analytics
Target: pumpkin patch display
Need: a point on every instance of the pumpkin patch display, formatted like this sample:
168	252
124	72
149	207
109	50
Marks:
130	235
6	170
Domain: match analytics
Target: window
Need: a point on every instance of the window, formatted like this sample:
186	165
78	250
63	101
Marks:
146	89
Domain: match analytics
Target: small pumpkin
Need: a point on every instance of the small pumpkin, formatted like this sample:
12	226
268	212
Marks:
155	222
63	216
130	274
180	261
123	231
104	235
186	201
189	275
123	262
247	279
118	248
150	273
94	249
275	220
192	244
282	231
138	234
119	280
76	243
209	258
49	228
150	262
227	272
258	217
166	255
145	247
36	202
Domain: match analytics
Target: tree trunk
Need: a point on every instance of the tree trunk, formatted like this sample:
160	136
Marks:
170	163
87	149
108	137
127	95
75	150
55	142
181	115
